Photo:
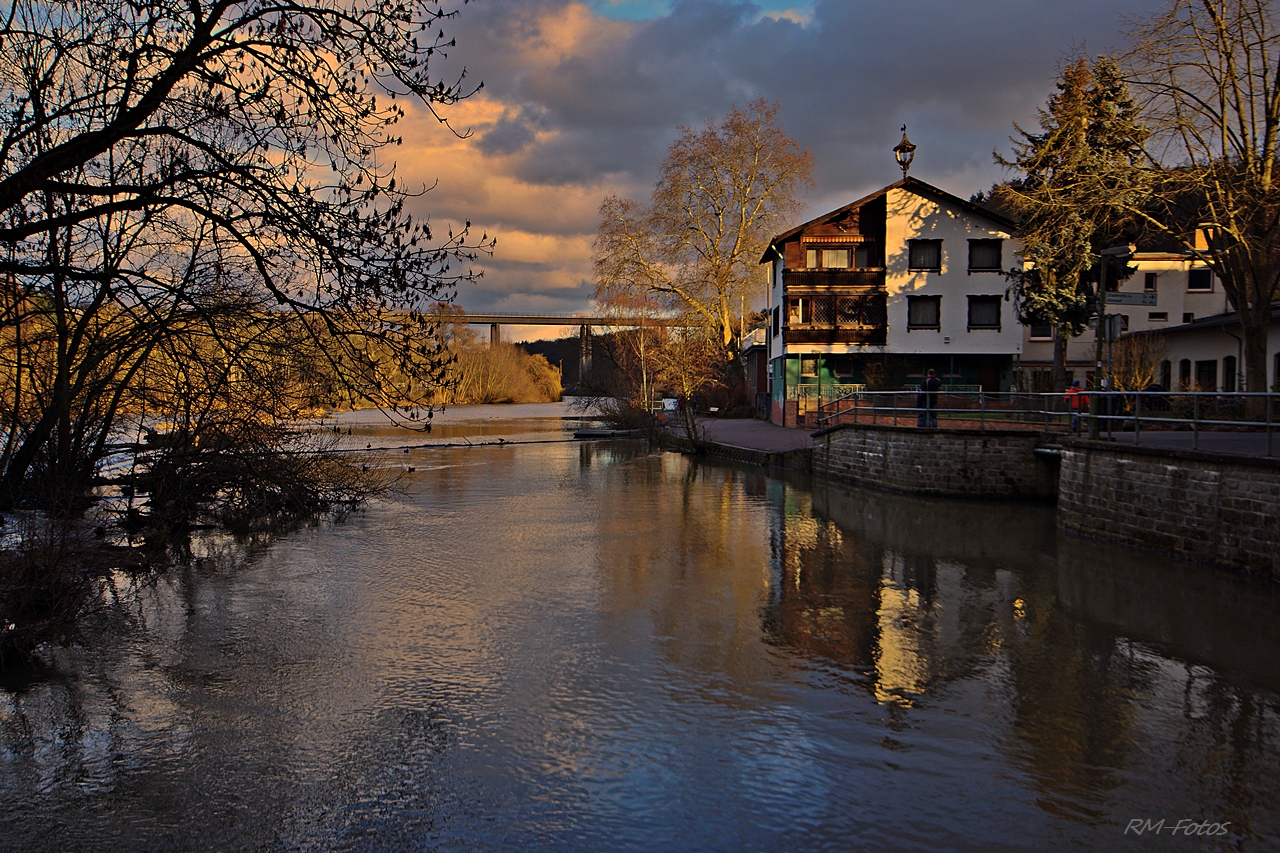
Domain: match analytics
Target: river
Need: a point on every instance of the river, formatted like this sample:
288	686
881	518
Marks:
563	646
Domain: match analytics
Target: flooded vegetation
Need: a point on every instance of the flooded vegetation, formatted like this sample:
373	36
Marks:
598	646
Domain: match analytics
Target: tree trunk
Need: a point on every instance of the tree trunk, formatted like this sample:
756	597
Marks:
1255	356
1059	361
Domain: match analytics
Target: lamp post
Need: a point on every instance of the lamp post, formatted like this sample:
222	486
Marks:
1095	403
904	152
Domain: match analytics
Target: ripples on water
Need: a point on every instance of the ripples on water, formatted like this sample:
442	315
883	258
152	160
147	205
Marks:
590	647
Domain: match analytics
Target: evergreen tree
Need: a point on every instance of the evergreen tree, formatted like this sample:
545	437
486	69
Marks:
1071	196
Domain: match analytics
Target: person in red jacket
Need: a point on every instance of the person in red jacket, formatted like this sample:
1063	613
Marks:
1077	402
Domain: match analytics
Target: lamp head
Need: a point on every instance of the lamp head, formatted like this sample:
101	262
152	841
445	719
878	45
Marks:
904	152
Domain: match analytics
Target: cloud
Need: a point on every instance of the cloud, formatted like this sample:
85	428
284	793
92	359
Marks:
581	99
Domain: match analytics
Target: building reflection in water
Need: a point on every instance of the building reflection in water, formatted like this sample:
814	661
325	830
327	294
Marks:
1111	668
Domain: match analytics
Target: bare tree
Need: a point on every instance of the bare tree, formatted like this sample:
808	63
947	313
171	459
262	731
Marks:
721	193
1136	361
1209	70
165	165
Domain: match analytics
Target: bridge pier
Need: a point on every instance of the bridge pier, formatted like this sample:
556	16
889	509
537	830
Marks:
584	356
495	335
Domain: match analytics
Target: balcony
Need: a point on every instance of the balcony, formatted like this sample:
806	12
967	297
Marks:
842	319
862	279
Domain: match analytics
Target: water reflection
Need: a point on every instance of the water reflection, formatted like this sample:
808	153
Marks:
597	646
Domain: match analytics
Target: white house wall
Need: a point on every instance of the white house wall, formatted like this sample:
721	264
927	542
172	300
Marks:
1214	344
910	216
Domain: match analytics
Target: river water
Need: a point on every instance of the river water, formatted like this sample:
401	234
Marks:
564	646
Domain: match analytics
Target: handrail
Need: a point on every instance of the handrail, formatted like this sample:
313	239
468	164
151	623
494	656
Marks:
1141	415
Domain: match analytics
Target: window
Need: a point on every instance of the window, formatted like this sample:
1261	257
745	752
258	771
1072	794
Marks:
835	259
1041	331
777	321
829	259
1184	373
1188	317
924	255
1157	316
799	312
1166	375
1149	283
862	257
984	312
808	365
923	312
1229	373
823	311
1207	375
984	255
1200	280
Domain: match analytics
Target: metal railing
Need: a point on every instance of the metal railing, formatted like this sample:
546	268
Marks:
1229	422
813	397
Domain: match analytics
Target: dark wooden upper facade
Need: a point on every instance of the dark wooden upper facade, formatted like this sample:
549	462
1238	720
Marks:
834	278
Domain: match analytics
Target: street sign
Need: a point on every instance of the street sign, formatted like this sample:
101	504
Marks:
1125	298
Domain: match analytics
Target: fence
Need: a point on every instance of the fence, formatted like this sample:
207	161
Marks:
1237	422
812	398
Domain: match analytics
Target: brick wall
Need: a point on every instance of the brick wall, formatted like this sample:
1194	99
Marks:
937	462
1198	506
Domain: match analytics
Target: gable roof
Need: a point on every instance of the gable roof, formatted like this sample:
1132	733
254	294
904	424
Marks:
914	185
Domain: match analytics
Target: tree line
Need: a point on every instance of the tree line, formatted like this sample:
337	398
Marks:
199	226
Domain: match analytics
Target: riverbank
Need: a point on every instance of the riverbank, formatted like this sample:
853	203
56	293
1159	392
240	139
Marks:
1198	506
750	441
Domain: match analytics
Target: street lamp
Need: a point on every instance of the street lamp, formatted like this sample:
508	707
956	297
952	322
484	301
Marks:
904	152
1099	333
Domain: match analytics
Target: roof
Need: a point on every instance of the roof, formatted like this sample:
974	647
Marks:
1213	321
914	185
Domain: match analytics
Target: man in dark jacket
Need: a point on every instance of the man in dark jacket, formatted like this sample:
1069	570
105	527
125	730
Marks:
932	384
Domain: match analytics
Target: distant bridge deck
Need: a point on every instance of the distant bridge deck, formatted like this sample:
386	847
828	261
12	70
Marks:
567	320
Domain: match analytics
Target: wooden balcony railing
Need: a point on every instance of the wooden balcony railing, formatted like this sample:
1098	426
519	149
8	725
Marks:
823	279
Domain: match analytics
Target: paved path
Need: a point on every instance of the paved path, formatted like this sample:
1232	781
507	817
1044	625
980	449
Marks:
753	434
760	435
1239	443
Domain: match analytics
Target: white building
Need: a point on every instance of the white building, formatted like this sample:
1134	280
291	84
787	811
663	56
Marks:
1178	297
881	290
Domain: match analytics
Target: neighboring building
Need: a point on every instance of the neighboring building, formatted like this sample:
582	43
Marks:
755	363
1169	290
1207	354
1178	297
882	289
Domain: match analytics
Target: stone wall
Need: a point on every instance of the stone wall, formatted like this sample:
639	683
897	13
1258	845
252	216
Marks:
1199	506
992	464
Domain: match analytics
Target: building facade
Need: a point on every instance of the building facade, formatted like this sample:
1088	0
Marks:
1173	296
877	292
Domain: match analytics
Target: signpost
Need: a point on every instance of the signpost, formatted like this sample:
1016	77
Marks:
1121	298
1100	334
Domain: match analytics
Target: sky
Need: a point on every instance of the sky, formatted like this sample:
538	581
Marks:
582	97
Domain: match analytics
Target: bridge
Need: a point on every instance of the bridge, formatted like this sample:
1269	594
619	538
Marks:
584	322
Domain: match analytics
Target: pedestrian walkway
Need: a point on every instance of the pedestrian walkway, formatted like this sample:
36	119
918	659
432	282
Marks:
752	434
